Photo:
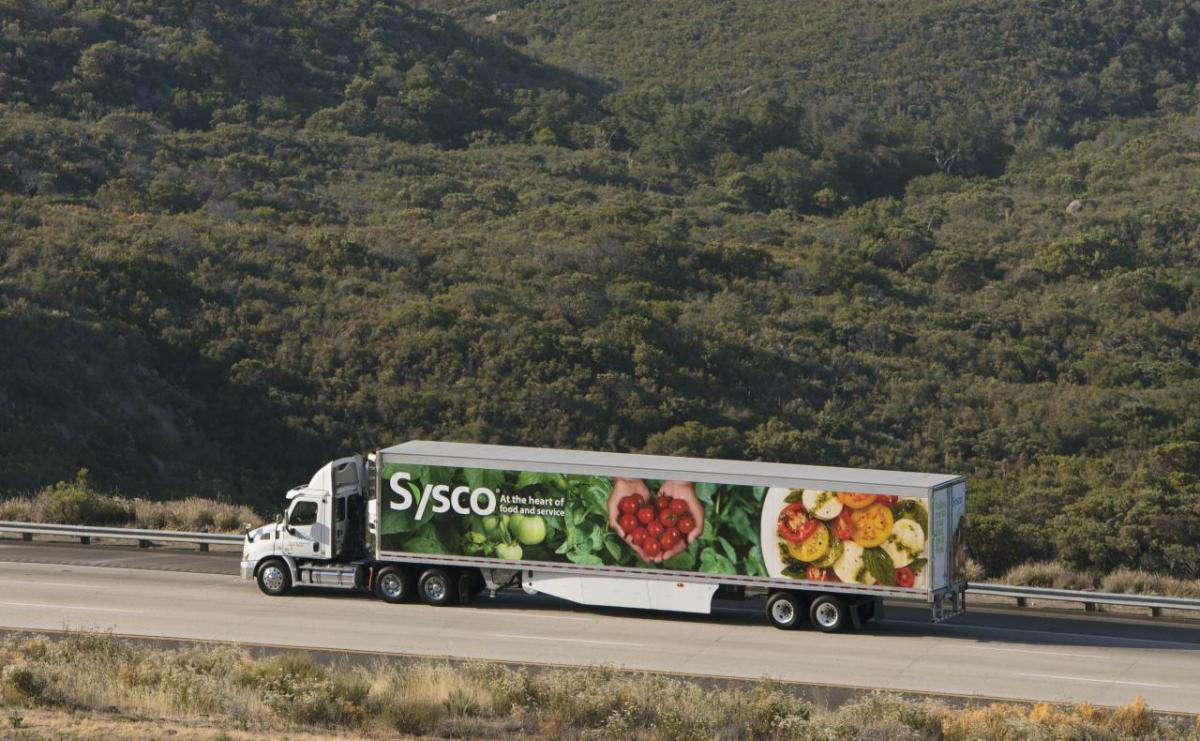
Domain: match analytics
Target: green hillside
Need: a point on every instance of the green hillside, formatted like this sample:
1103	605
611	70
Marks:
241	240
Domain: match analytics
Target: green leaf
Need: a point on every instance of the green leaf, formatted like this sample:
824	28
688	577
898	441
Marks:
760	493
795	495
595	498
917	565
424	543
584	557
683	561
755	566
488	478
613	545
740	523
880	565
705	492
537	478
712	562
727	547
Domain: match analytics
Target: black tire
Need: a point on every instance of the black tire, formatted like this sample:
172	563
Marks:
393	584
829	613
785	610
468	586
274	578
437	587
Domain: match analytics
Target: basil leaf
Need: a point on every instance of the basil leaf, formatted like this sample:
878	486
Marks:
880	565
917	565
705	492
712	562
488	478
584	557
795	495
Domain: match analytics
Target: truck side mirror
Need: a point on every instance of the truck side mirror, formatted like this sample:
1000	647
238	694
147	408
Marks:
278	518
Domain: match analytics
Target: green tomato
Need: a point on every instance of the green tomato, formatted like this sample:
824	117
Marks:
530	530
492	526
509	551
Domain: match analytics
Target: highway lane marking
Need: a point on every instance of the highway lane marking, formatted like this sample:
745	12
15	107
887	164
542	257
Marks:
1041	653
1084	636
1098	681
568	640
68	607
45	584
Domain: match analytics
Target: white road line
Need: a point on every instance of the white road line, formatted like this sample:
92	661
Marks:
568	640
32	583
560	617
1097	681
1041	653
68	607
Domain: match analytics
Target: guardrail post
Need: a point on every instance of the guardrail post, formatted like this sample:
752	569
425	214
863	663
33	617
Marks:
26	537
1022	602
85	540
1089	606
143	544
1155	612
204	546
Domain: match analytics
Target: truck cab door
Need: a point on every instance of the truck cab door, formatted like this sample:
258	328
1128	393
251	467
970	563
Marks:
306	532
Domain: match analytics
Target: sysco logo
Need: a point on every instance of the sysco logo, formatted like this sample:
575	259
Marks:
462	500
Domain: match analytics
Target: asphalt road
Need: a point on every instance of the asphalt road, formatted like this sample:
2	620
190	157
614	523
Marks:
990	652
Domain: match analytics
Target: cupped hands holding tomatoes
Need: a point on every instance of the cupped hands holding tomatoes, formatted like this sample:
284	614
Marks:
657	528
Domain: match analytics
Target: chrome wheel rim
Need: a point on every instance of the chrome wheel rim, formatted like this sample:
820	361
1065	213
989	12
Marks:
272	577
435	589
783	612
391	586
827	615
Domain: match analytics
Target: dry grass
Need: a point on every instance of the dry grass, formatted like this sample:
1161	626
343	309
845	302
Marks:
1059	576
78	503
1049	575
1141	582
85	684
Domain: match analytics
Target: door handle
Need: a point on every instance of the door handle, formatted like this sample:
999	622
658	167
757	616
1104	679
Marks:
316	547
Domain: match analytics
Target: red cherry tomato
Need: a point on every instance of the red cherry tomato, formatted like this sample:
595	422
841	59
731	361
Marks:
679	507
843	526
887	499
655	528
628	522
651	547
686	524
645	515
669	539
905	577
662	502
638	535
668	517
630	504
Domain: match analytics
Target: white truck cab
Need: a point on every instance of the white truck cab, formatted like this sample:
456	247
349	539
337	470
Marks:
322	524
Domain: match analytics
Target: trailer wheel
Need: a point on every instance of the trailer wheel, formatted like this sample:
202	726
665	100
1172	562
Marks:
437	588
785	610
274	578
393	584
829	613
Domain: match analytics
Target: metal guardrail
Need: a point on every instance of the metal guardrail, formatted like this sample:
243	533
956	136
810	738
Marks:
1090	600
145	538
1022	595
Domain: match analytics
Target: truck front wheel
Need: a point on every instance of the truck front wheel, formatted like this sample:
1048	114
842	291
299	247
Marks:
393	584
785	610
829	613
437	587
274	578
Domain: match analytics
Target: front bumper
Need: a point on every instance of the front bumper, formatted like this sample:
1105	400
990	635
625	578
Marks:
248	570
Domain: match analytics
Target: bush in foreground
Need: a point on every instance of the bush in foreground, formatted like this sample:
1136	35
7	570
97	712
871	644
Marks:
79	503
293	693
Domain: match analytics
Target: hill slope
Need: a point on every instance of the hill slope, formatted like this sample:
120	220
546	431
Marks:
312	264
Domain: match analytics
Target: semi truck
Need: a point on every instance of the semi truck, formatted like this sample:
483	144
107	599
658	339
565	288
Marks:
445	522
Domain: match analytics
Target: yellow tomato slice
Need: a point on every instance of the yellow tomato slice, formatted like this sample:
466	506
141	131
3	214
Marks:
872	525
855	500
812	547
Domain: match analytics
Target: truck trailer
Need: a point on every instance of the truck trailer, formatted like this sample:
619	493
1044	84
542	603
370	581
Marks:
444	522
